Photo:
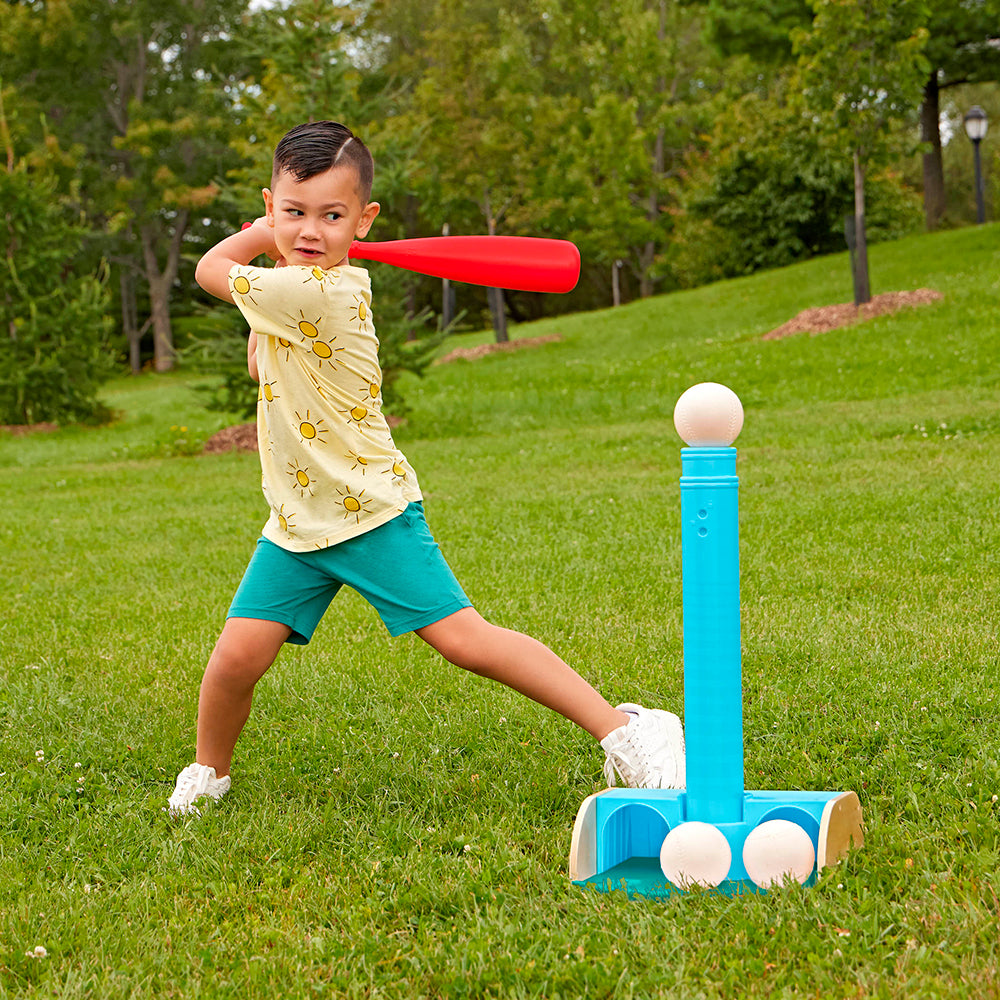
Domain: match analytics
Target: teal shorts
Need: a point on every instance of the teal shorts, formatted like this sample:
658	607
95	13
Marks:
397	567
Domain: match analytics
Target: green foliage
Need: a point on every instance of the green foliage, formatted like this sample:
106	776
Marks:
771	189
407	343
562	118
54	327
215	344
862	66
760	27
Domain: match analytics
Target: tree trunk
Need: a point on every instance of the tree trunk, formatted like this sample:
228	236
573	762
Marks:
499	313
130	319
161	283
862	290
494	296
935	200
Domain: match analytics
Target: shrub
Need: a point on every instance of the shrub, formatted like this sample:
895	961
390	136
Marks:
54	324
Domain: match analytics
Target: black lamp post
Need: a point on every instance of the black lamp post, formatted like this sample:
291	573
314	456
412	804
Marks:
975	127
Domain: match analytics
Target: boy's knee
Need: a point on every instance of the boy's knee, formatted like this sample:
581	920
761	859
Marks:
239	659
466	644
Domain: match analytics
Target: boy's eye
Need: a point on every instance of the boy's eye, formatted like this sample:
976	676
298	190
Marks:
333	216
294	212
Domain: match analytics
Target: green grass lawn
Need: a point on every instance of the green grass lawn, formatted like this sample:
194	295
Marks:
398	828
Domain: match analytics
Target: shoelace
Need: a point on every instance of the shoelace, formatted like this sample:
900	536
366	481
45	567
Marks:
189	780
616	761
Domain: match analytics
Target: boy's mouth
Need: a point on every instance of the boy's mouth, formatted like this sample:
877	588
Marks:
307	252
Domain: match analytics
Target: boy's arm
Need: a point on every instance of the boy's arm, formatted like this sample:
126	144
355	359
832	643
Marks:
212	272
252	356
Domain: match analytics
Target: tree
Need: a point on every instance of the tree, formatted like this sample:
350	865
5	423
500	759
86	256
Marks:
54	352
141	86
862	69
634	78
761	29
771	188
962	47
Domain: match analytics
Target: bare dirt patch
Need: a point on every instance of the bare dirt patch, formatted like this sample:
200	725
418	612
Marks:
242	437
19	430
823	319
471	353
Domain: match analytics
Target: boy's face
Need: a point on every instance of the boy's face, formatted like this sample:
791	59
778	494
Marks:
316	220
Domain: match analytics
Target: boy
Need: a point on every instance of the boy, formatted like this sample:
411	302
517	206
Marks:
345	504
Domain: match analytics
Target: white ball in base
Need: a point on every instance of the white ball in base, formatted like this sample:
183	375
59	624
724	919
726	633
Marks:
695	853
776	851
708	415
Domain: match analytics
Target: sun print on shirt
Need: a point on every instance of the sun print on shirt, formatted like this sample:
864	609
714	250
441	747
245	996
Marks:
311	430
371	389
285	520
267	392
321	277
360	462
353	505
310	329
396	472
360	314
301	480
357	415
244	288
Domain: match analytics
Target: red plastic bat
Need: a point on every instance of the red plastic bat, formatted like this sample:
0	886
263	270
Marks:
526	263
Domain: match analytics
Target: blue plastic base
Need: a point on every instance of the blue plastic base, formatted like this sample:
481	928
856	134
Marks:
619	832
643	877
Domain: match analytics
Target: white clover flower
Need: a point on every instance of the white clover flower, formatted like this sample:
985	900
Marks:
37	952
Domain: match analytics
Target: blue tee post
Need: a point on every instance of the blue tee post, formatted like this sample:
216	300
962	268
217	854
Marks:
713	690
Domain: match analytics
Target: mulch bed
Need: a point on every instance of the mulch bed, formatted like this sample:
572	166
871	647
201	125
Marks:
823	319
471	353
242	437
19	430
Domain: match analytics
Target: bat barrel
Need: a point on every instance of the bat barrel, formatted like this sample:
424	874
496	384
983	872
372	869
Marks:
525	263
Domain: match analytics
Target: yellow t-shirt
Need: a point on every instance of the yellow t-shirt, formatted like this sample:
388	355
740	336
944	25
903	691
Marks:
330	468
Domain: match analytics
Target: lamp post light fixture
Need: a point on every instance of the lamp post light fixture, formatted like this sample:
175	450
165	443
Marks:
976	123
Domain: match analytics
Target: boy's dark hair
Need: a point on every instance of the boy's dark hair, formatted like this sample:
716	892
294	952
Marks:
315	147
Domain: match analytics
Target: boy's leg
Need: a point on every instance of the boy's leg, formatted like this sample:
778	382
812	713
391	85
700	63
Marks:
643	747
244	651
466	639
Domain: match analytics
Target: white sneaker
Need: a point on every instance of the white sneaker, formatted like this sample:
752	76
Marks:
647	752
195	782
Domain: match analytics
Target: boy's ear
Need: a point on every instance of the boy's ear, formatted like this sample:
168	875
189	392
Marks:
371	210
268	205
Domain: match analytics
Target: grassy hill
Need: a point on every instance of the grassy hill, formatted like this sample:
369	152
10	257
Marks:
398	828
